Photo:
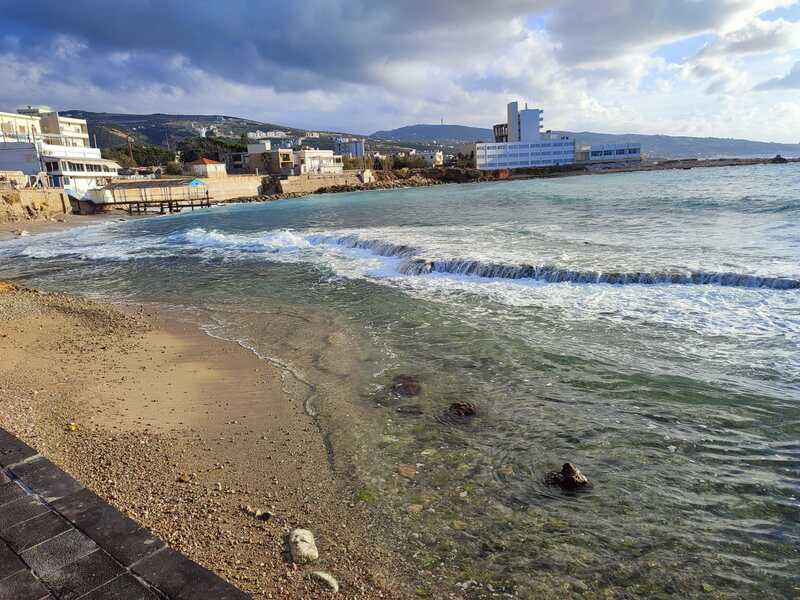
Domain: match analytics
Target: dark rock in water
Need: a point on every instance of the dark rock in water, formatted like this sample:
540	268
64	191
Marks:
779	160
463	409
410	409
458	413
406	385
568	478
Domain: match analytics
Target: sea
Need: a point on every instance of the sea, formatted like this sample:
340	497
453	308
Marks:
642	326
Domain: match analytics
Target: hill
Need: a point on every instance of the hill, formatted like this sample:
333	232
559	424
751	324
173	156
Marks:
658	146
437	133
113	129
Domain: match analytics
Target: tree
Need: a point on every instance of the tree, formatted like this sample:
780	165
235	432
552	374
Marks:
173	168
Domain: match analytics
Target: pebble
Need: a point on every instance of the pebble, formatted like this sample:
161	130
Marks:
414	508
407	471
326	579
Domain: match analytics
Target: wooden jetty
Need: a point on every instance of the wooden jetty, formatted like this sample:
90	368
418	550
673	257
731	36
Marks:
143	196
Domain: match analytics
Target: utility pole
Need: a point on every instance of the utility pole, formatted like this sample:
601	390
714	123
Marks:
130	149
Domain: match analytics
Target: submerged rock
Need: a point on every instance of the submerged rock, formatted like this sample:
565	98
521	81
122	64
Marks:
568	478
302	546
458	413
409	409
326	579
406	385
463	409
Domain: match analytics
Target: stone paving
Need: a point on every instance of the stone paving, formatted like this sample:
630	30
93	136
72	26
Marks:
59	540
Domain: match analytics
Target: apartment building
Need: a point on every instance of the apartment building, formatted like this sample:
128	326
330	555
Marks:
52	151
352	147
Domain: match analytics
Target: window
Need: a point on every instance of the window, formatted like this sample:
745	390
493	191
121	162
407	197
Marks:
597	153
621	151
633	151
608	153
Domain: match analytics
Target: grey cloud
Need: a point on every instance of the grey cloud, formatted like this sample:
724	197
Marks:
790	81
287	46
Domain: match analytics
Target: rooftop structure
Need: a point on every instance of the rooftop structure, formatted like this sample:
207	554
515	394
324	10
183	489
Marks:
205	167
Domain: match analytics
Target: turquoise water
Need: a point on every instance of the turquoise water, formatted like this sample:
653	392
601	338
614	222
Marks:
645	326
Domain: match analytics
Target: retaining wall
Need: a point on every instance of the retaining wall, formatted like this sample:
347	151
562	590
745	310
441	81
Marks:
235	186
308	184
18	205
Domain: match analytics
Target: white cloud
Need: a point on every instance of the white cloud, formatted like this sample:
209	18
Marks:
790	81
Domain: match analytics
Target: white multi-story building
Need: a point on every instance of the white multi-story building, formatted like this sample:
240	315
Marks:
257	135
520	143
526	145
53	150
277	134
317	162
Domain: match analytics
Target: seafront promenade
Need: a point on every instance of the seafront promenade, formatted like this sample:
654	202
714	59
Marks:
62	541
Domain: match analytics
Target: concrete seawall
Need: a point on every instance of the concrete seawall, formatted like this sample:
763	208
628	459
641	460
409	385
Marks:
20	205
308	184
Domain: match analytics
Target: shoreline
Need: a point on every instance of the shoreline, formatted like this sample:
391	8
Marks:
181	430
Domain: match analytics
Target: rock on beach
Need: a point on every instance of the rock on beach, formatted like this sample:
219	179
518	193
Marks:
302	546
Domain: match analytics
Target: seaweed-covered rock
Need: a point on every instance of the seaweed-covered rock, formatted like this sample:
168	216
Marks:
568	478
406	385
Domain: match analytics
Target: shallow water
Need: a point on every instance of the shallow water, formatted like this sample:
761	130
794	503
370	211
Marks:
645	326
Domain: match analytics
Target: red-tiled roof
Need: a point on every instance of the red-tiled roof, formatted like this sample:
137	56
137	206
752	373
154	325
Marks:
205	161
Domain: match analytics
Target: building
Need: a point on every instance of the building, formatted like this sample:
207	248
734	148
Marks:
312	134
52	151
276	134
279	161
256	159
257	135
609	152
205	167
351	147
15	127
521	144
317	162
432	158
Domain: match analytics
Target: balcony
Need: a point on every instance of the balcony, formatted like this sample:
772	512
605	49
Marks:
53	151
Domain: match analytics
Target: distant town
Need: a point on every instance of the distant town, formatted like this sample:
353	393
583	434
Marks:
195	163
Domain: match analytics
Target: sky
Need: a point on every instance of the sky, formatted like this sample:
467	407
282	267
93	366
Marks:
722	68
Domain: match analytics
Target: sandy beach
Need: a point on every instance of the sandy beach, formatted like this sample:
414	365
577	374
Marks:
181	431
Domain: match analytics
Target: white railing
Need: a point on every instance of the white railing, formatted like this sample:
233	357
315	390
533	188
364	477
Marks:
53	151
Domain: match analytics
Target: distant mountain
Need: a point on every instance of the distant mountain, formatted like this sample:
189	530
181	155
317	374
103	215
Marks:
438	133
112	129
658	146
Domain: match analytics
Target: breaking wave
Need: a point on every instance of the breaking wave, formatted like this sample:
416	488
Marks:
416	265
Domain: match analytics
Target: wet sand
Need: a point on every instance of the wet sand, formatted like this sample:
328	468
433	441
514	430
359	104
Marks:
181	430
